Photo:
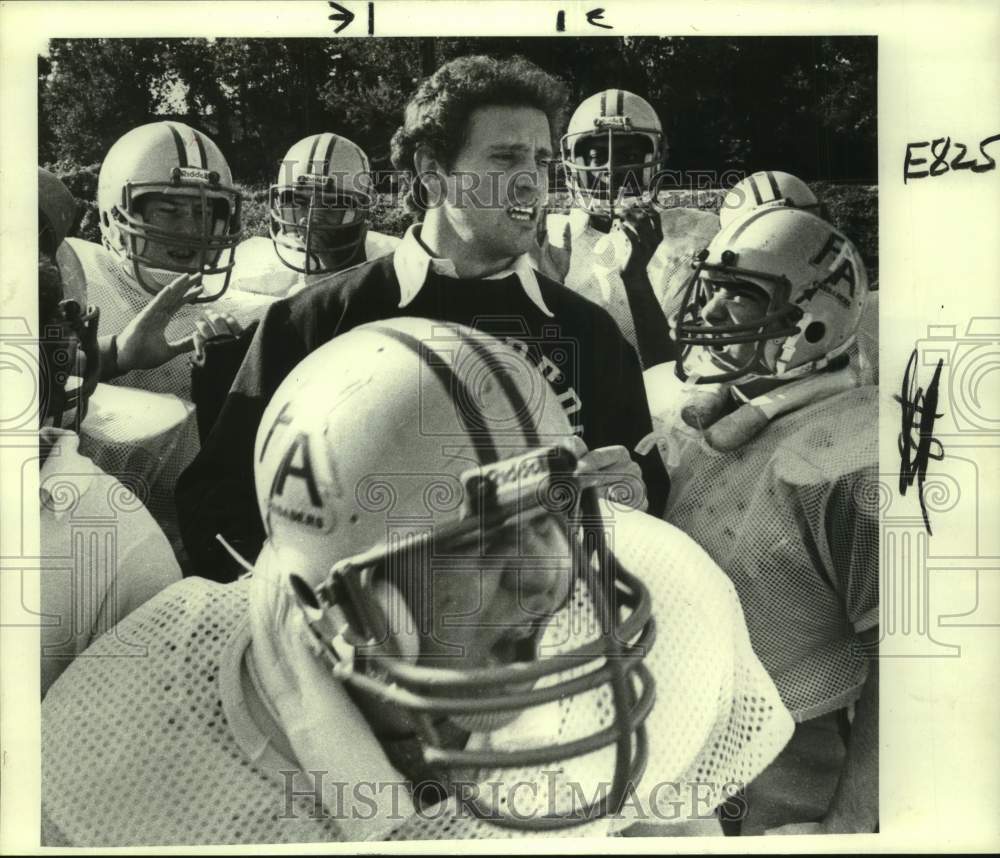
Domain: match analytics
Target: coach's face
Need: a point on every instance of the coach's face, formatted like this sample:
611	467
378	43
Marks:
497	187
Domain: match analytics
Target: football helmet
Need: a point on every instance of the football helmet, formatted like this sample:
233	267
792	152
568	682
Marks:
68	349
406	448
56	211
612	149
320	207
787	283
173	159
767	187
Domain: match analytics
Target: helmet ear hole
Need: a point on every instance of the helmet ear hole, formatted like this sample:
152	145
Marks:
815	331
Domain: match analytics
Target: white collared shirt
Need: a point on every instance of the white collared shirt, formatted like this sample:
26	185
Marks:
412	262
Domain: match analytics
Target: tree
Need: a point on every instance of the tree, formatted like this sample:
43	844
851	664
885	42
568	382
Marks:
96	90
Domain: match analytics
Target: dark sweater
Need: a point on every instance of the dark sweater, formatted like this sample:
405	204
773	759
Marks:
601	386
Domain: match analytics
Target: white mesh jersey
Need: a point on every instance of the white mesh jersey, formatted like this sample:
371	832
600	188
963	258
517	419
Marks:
120	299
792	518
146	440
102	556
259	270
179	775
596	259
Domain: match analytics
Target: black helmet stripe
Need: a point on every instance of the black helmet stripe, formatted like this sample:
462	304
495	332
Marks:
201	150
620	106
182	158
604	102
329	154
312	152
756	190
473	420
774	185
509	387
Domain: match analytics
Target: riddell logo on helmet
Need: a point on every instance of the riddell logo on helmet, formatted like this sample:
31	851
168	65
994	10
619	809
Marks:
529	467
195	173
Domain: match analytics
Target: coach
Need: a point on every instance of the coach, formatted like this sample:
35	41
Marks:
477	140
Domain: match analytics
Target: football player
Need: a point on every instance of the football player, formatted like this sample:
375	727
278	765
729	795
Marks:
612	154
771	445
446	635
320	215
102	555
167	207
773	187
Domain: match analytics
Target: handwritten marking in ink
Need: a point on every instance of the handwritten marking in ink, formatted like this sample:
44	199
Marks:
941	150
344	16
916	452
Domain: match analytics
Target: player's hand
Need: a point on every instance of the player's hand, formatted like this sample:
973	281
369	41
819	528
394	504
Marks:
213	326
642	226
143	344
558	255
624	482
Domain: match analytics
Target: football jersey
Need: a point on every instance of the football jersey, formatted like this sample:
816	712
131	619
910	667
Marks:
146	440
162	750
260	270
102	555
792	518
120	299
597	259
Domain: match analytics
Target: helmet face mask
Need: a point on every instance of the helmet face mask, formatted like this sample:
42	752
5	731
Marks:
170	160
318	224
428	587
320	207
71	365
612	151
811	287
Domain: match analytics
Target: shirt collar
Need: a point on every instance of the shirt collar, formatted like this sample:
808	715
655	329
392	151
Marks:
411	262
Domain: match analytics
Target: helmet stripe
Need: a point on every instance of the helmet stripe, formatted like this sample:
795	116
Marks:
472	418
201	150
604	102
514	398
182	157
756	191
329	154
774	185
620	106
312	153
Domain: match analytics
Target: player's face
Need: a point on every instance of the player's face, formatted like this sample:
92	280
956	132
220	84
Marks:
334	226
498	186
494	616
628	149
180	215
735	303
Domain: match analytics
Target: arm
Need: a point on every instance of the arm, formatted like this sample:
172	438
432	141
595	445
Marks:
143	343
651	326
216	492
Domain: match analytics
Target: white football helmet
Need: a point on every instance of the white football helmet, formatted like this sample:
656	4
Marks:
806	280
612	150
766	188
169	158
406	448
320	206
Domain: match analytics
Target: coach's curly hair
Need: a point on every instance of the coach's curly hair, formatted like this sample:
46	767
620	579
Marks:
438	113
